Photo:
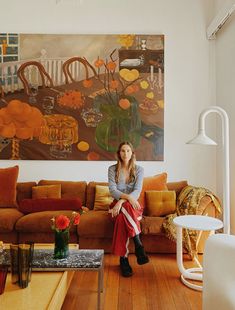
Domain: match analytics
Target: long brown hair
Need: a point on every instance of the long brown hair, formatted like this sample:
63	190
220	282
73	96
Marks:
131	164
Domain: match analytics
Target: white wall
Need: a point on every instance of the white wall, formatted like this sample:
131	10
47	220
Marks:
188	87
225	93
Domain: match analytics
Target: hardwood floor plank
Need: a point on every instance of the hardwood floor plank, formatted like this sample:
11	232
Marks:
112	284
166	301
154	286
139	301
125	293
177	288
153	296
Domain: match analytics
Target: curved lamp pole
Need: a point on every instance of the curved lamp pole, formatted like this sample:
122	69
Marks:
202	138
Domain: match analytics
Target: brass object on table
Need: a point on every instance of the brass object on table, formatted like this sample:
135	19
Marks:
60	131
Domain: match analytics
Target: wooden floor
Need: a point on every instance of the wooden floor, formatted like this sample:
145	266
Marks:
154	286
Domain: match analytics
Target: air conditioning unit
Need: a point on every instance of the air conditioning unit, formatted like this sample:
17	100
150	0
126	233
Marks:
219	20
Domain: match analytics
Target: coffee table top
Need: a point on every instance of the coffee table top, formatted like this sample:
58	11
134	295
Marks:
77	259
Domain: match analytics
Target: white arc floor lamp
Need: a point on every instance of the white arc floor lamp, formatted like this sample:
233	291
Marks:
202	138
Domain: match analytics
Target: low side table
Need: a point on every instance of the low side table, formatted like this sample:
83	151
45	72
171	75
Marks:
194	222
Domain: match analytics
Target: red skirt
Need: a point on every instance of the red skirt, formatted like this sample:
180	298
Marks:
126	225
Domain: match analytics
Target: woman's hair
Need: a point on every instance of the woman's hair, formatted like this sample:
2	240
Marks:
131	164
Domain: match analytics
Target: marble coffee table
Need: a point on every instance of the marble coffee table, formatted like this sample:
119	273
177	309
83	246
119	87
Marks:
60	269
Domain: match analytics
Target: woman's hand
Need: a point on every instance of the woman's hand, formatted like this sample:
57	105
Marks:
116	209
135	204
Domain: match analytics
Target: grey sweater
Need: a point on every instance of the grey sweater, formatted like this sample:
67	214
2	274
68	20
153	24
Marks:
133	188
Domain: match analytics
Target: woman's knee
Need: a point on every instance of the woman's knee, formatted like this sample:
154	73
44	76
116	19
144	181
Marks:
126	205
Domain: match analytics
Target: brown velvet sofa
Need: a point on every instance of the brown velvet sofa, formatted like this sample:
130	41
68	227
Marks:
95	229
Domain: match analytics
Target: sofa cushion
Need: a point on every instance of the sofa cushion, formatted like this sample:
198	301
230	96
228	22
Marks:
176	186
157	182
160	203
95	224
40	221
8	179
8	219
103	198
49	204
151	225
90	194
46	191
69	189
24	190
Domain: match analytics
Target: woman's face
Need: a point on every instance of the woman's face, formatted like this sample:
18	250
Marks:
125	153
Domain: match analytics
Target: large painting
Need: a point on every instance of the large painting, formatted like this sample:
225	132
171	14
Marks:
76	97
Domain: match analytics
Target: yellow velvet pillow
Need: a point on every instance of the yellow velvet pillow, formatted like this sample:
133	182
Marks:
160	203
8	179
103	198
157	182
46	191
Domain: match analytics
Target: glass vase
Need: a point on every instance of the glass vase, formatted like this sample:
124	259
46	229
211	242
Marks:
61	249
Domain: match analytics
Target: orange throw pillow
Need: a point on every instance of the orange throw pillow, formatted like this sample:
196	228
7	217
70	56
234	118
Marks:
8	179
157	182
46	191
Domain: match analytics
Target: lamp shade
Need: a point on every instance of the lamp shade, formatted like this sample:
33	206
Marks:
202	138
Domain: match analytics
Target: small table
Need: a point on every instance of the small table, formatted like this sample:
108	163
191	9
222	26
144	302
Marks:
194	222
78	260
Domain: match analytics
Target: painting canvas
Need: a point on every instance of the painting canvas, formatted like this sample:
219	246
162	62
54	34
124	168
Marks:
76	97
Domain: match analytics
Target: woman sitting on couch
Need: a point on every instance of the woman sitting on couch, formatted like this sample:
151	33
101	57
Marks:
125	184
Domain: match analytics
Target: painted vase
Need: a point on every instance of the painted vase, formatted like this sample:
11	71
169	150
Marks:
118	124
61	249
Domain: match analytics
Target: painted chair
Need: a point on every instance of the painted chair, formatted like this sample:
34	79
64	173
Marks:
72	72
25	74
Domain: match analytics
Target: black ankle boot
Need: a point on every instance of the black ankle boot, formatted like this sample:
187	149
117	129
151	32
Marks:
142	258
125	267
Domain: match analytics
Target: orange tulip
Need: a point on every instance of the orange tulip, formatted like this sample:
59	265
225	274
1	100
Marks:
114	84
111	65
124	104
130	89
99	63
136	88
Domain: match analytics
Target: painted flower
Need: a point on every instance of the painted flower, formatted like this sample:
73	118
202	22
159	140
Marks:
99	63
114	84
126	40
144	84
111	65
124	104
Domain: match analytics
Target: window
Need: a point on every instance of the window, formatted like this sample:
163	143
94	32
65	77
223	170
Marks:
9	51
